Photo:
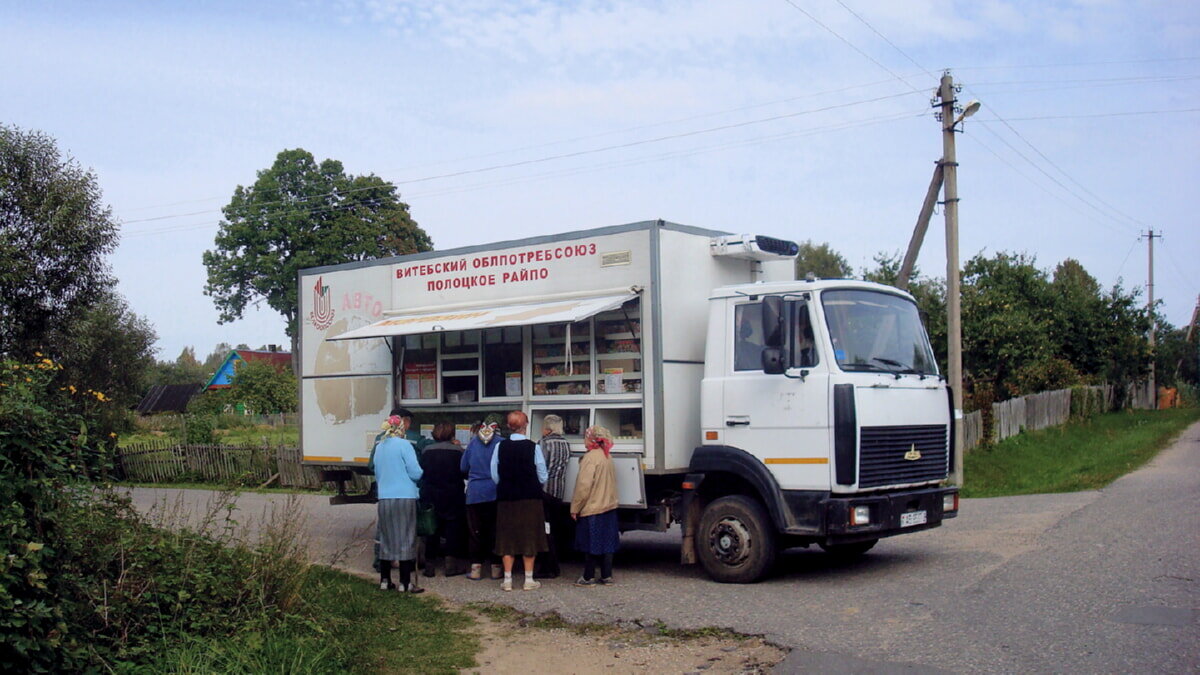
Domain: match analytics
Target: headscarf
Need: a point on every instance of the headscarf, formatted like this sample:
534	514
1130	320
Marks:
598	438
393	427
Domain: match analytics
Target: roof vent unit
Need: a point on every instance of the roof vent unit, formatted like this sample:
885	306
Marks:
753	247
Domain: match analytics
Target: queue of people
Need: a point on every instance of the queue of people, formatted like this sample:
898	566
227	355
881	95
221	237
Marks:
498	500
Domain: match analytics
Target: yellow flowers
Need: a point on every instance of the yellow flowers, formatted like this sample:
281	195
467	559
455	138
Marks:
72	388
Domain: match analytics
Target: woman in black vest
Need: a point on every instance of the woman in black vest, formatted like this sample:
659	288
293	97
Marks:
519	470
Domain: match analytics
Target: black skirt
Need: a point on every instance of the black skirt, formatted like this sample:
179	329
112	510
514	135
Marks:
520	527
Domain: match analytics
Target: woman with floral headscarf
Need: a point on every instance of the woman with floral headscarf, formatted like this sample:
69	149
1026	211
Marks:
476	463
397	472
594	506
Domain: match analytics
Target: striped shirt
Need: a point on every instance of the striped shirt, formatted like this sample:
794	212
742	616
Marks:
557	452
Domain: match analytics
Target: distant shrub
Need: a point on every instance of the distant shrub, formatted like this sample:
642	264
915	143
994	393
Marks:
199	429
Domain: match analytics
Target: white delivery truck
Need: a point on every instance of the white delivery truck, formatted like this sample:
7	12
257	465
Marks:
757	411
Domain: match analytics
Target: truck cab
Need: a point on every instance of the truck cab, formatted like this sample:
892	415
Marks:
824	421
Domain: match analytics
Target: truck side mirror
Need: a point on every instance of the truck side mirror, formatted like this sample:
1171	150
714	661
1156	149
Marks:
772	322
772	361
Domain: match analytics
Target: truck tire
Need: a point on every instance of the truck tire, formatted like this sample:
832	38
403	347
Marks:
735	540
849	551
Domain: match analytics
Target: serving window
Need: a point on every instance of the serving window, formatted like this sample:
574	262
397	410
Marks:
503	362
596	356
619	350
416	367
562	359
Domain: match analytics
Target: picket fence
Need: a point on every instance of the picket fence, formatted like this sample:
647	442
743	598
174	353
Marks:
244	465
172	422
1046	409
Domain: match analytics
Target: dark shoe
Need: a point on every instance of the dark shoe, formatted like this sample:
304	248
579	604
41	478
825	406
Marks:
607	581
454	567
585	582
430	568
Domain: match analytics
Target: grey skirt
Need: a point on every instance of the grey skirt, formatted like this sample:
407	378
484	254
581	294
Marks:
397	529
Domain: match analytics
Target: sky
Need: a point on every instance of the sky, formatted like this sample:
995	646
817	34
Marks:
801	119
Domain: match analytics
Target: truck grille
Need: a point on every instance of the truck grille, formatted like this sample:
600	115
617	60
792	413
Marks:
882	451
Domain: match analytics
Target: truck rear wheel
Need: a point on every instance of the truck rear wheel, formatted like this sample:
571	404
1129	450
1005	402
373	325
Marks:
849	551
735	540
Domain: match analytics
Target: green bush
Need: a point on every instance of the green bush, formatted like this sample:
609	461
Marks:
44	450
136	588
199	429
1086	402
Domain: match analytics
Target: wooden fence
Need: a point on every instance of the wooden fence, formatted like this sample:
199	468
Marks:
971	428
244	465
1042	410
171	422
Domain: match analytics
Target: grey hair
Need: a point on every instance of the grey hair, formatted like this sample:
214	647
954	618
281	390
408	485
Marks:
554	423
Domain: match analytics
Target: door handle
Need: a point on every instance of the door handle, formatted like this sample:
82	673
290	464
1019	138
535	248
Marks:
739	422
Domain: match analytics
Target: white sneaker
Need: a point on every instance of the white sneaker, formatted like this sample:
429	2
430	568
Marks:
384	586
506	585
532	585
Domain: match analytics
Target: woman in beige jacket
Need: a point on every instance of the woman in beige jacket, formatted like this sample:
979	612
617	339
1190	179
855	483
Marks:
594	507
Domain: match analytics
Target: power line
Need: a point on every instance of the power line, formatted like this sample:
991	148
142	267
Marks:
566	155
885	39
999	117
1035	183
715	113
853	46
579	170
1124	260
1047	174
1091	80
1090	116
1078	63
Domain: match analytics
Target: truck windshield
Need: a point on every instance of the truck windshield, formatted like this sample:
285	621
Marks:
873	331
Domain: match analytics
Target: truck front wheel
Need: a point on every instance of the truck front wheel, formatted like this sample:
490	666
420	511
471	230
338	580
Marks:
735	540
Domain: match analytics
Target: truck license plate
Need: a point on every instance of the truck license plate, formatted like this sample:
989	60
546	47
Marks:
913	518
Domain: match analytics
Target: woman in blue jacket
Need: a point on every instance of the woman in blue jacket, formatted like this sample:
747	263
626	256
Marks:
397	471
476	463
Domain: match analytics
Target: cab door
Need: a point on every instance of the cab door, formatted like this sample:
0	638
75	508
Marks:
781	419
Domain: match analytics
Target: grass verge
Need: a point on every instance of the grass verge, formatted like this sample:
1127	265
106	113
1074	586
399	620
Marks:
1083	455
345	624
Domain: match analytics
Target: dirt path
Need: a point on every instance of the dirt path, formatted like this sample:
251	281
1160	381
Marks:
512	644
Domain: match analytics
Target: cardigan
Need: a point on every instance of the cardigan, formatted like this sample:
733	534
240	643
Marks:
596	485
397	469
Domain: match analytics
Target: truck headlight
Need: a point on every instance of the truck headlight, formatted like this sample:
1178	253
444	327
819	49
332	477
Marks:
950	502
861	515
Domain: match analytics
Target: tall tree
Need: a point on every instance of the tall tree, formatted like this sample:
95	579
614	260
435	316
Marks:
109	349
302	214
822	261
54	234
1006	307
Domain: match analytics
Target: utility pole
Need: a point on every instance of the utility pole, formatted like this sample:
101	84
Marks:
946	94
1150	237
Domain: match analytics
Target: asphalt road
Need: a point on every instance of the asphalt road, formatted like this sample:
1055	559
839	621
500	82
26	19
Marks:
1098	582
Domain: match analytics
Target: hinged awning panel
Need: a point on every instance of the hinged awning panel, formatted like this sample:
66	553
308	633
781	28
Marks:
524	314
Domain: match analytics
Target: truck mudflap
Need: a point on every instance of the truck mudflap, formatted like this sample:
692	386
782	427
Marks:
873	516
